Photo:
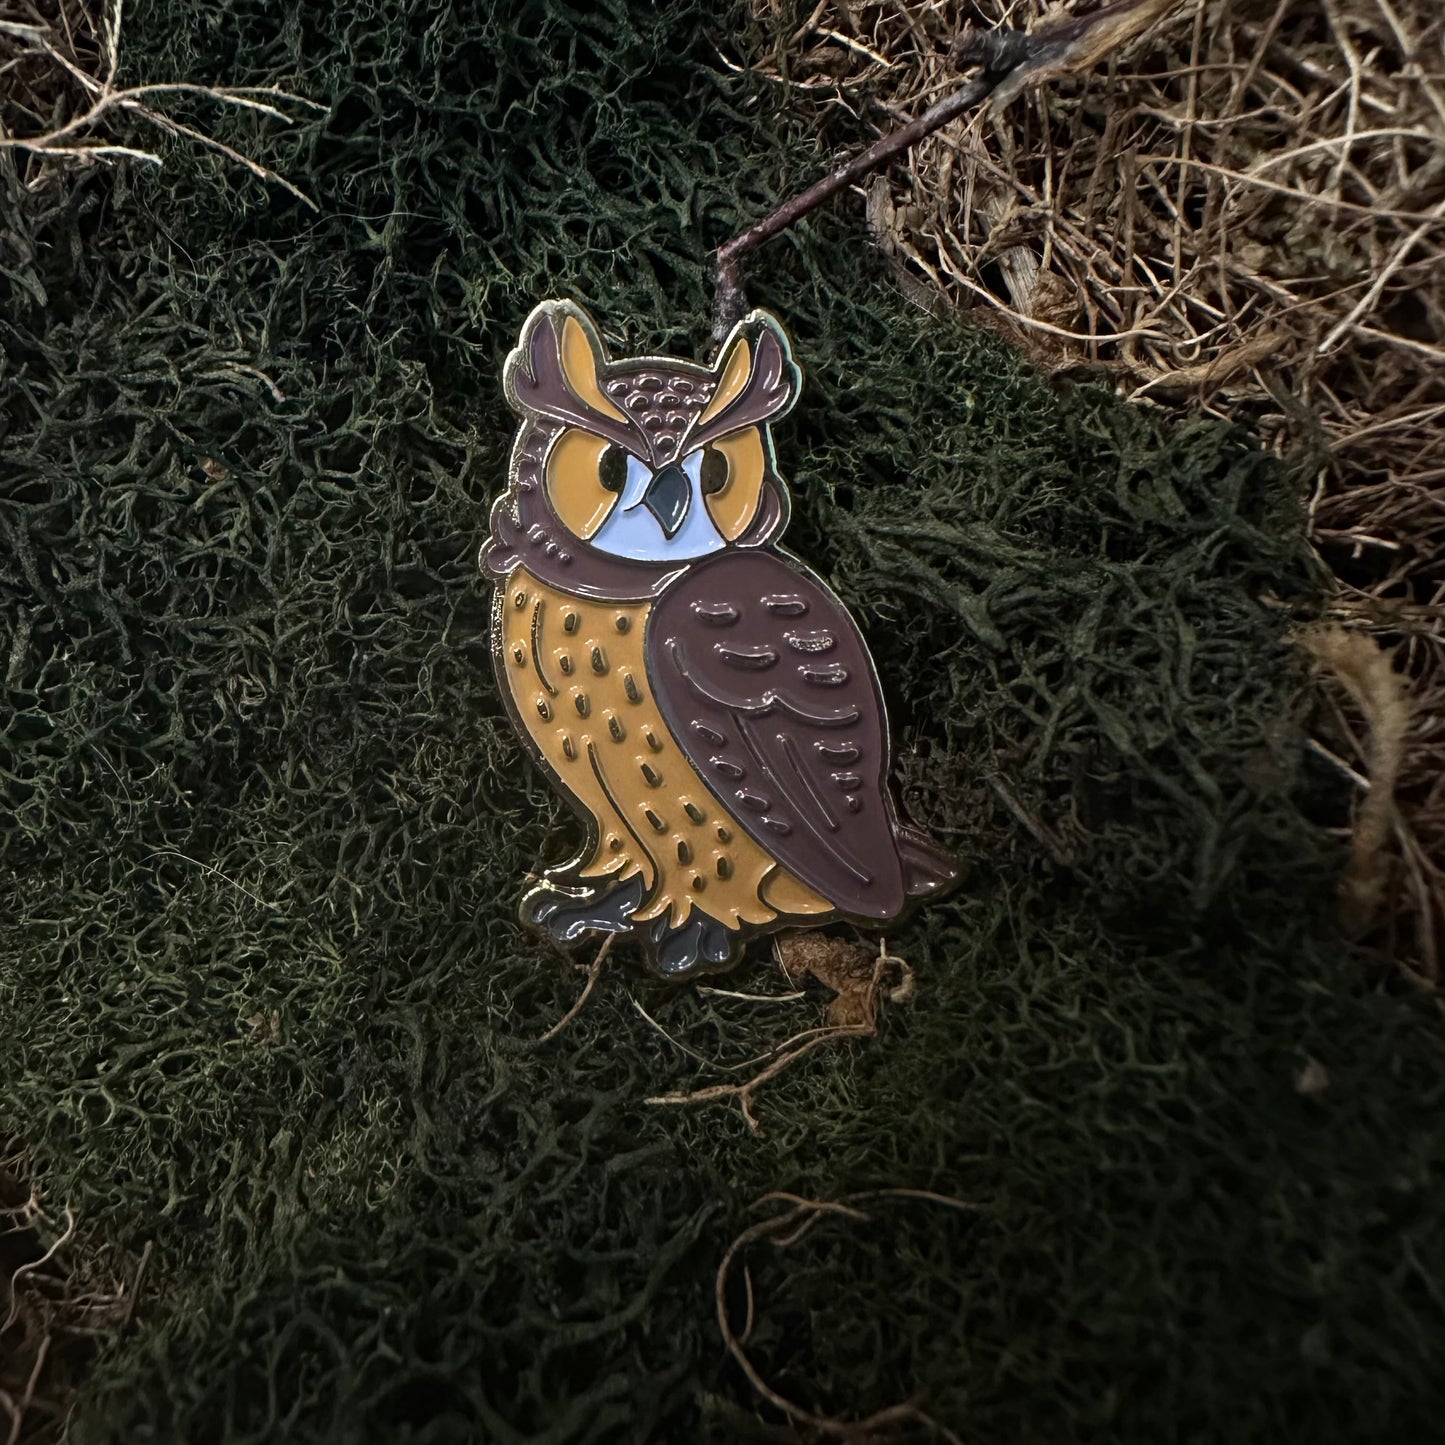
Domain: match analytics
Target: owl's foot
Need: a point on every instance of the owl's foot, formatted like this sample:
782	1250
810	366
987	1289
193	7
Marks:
697	944
568	913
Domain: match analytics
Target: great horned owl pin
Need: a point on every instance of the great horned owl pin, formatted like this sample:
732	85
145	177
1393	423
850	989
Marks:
702	698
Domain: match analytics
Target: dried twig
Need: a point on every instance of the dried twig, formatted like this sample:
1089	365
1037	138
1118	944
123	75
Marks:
1008	62
18	1411
744	1092
853	1014
36	1265
708	992
133	1298
594	972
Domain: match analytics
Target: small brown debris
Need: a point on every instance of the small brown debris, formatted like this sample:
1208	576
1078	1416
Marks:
1312	1080
857	975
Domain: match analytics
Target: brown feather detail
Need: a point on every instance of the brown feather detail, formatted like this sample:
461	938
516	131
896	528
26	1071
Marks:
782	724
771	388
610	781
536	380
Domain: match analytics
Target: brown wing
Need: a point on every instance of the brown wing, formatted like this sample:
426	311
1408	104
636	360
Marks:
768	688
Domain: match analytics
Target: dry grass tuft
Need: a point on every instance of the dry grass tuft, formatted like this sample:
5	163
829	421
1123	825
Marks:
58	90
1246	213
50	1321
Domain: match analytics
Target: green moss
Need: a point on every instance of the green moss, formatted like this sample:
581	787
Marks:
265	824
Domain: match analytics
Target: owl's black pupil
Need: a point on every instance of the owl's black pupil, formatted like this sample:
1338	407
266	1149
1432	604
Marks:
714	473
612	469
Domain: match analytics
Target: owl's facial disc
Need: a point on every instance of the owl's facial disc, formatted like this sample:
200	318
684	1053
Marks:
660	516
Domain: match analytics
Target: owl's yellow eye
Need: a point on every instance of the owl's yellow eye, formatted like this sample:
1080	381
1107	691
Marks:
585	476
732	480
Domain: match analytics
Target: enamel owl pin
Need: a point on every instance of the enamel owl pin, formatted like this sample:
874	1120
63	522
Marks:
704	700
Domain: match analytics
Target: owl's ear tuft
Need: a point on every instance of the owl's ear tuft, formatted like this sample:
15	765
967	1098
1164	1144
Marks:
555	366
758	380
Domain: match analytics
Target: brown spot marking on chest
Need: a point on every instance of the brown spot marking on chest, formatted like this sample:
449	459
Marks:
579	681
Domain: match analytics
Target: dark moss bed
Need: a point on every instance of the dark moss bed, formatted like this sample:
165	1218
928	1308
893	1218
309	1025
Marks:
266	1004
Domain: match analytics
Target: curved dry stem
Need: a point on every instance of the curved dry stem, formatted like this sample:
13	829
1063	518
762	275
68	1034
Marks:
784	1230
19	1409
594	972
35	1265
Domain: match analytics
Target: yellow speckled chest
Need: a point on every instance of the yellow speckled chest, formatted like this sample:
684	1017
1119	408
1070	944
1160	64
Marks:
578	679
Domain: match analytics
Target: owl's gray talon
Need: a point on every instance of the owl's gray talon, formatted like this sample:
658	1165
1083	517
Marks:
566	916
698	943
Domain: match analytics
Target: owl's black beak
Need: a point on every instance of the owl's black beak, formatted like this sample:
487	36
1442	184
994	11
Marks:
666	498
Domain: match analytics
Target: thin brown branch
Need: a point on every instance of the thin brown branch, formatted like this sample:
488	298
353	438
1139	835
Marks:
745	1091
19	1412
128	1318
594	972
1009	61
853	1013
